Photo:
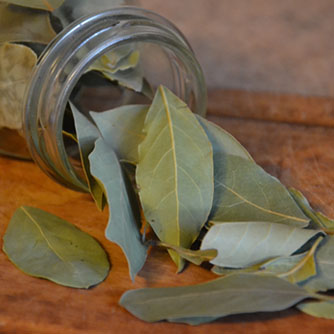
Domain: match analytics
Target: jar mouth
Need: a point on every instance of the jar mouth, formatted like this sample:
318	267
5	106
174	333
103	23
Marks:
72	53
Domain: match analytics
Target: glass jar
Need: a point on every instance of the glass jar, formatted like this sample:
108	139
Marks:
165	58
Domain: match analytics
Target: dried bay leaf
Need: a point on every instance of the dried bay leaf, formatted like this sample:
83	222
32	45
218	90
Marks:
120	59
245	192
223	142
175	172
45	246
16	66
49	5
24	26
122	129
243	244
295	268
233	294
322	309
123	225
324	280
319	219
194	256
87	134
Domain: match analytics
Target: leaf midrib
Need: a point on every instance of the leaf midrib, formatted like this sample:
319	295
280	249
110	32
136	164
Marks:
267	291
261	208
44	236
172	138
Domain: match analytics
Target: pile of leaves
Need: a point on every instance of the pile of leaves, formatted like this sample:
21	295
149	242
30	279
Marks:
206	200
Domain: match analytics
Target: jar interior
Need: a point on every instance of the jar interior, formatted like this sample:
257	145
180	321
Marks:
94	92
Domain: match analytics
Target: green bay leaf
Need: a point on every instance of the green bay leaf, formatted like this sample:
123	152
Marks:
295	268
24	26
120	59
322	309
122	129
49	5
323	281
245	192
243	244
222	141
16	66
123	224
43	245
175	172
87	134
233	294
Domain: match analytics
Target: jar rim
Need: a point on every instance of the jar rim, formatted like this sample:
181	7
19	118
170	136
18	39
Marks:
63	63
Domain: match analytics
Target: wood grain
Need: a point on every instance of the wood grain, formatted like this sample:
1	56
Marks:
300	155
308	110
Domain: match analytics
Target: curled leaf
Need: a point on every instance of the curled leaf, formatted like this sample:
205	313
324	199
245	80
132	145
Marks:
245	244
323	281
294	268
43	245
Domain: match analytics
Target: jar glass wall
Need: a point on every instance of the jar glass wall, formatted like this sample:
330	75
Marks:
162	57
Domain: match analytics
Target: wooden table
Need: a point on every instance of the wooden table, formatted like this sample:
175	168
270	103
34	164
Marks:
292	137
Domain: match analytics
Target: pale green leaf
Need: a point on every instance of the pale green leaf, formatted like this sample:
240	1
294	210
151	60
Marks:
122	129
233	294
322	309
324	280
16	66
24	26
245	244
245	192
175	172
49	5
319	219
74	9
122	226
43	245
223	142
87	134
